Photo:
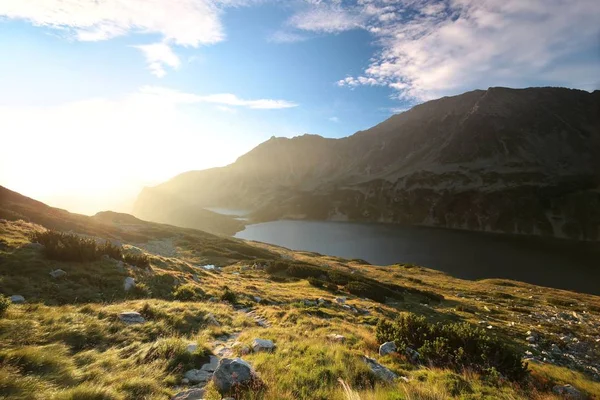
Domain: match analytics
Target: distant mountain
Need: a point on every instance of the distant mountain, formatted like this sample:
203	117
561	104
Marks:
519	161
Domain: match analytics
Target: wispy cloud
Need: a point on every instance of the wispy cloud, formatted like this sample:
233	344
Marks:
431	48
224	99
334	119
286	37
159	55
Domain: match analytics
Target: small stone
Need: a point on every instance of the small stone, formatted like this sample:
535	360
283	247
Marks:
262	345
413	355
340	300
57	273
257	299
128	283
131	317
196	376
232	372
191	348
387	348
190	394
211	320
17	299
185	381
212	364
567	391
379	370
531	339
334	337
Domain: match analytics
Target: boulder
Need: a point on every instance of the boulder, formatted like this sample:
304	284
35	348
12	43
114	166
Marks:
128	283
192	347
211	365
232	372
379	370
262	345
57	273
17	299
131	317
191	394
412	355
211	320
387	348
568	392
196	376
334	337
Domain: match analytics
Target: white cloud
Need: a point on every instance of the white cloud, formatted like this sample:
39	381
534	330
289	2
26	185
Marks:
159	55
434	48
327	18
183	22
334	119
225	99
286	37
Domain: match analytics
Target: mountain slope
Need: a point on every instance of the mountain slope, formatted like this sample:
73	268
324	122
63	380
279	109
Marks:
522	161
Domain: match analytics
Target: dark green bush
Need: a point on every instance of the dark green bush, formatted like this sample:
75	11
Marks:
138	260
228	295
315	282
277	266
188	292
304	271
67	247
456	345
4	304
338	277
111	250
363	289
141	291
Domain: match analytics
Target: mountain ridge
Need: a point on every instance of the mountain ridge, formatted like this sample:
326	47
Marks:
519	161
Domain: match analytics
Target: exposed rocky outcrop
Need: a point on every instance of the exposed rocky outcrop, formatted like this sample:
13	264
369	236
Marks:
521	161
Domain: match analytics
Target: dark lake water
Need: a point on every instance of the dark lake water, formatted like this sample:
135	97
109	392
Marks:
467	255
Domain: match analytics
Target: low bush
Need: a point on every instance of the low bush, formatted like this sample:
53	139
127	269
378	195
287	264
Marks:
138	260
457	345
188	292
363	289
67	247
304	271
315	282
228	295
4	304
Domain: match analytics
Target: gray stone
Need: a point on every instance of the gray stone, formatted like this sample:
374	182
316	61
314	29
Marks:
257	299
334	337
379	370
128	283
196	376
57	273
232	372
310	303
17	299
211	320
192	347
131	317
568	392
34	246
190	394
413	355
262	345
340	300
531	339
387	348
212	365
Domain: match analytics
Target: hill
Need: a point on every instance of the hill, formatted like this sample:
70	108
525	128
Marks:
88	321
519	161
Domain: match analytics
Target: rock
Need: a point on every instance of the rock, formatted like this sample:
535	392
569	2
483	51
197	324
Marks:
257	299
321	301
17	299
57	273
191	394
531	339
131	317
568	391
387	348
196	376
262	345
310	303
120	266
232	372
379	370
185	381
211	320
212	364
340	300
34	246
128	283
334	337
191	348
412	355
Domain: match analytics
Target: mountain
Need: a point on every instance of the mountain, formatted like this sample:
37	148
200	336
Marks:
518	161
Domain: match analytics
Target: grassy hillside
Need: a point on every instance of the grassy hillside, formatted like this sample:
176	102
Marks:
66	341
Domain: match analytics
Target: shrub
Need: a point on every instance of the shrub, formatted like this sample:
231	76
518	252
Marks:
228	295
138	260
188	292
141	291
67	247
338	277
174	350
277	266
456	345
4	304
363	289
315	282
304	271
109	249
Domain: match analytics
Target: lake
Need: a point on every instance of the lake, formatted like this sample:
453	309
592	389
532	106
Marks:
462	254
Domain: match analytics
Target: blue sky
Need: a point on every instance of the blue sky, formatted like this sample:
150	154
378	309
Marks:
108	96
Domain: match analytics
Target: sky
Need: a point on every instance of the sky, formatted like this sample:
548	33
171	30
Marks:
99	98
